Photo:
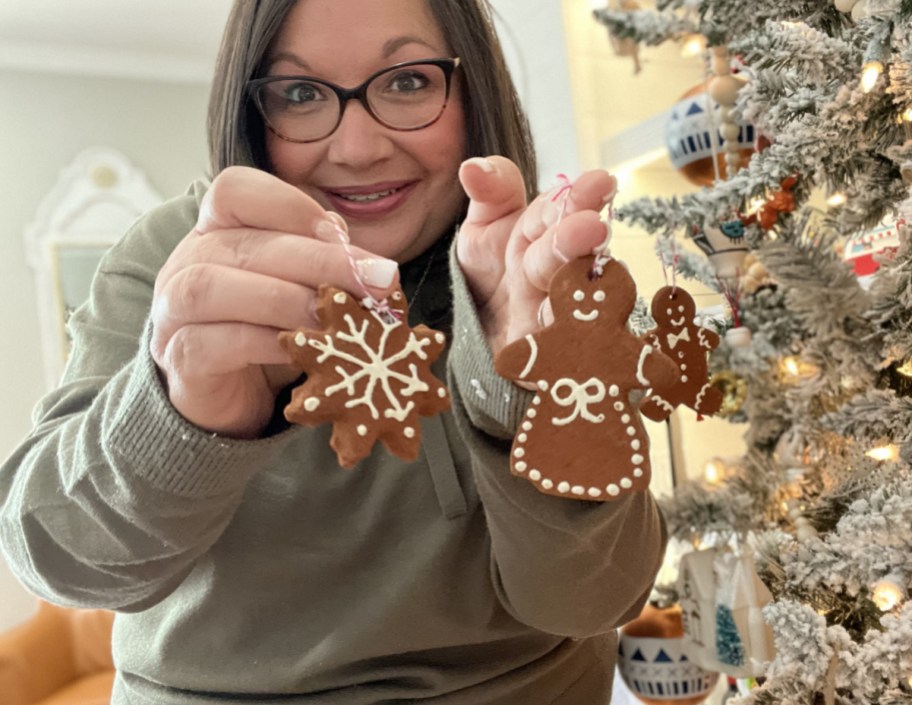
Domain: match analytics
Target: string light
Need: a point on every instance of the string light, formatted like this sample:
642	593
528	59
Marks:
884	453
837	199
792	368
873	63
905	369
888	592
714	471
907	114
870	72
693	45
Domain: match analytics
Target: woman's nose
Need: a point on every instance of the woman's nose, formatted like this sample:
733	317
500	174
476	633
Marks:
359	140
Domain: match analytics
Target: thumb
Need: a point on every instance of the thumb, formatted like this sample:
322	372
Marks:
494	186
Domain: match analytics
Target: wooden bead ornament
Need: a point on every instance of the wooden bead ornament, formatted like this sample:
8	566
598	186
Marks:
723	88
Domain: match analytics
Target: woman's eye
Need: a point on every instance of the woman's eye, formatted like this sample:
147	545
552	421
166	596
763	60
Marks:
302	93
407	82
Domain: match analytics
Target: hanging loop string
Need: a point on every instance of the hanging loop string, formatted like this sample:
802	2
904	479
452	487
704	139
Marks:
675	259
382	308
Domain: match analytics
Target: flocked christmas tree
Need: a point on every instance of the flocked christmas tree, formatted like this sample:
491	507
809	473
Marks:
823	496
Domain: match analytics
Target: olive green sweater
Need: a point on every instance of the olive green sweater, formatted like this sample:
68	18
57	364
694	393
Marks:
262	572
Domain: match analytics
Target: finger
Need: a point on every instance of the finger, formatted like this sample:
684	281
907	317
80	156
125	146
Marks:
494	186
292	258
591	191
215	294
577	235
246	197
205	350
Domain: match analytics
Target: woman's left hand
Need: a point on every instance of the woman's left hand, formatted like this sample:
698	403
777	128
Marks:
509	251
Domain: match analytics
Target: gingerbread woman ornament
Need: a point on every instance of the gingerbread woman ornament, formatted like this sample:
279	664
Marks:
369	374
581	436
687	344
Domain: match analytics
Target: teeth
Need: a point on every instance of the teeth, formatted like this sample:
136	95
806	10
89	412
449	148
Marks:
364	197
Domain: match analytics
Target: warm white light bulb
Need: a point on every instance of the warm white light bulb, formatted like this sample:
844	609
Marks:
714	471
790	365
837	199
887	593
907	115
869	75
887	452
693	45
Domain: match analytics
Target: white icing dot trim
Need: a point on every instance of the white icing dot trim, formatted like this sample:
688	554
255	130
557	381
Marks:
563	487
614	390
521	466
635	444
626	483
625	418
339	298
527	426
535	475
631	431
578	490
311	403
637	459
594	492
613	490
362	430
547	484
409	432
522	438
638	472
519	452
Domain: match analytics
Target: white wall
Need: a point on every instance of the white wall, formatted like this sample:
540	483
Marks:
45	121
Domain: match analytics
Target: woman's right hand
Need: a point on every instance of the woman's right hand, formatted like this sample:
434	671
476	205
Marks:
250	268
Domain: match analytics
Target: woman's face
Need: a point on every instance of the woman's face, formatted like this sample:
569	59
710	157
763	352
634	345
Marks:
398	191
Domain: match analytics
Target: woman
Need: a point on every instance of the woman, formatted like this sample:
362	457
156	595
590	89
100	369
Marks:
161	480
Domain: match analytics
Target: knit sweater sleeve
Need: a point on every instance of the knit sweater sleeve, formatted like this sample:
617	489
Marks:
113	496
564	566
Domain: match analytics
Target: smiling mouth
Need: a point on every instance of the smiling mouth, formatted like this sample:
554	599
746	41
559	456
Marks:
580	316
678	323
366	197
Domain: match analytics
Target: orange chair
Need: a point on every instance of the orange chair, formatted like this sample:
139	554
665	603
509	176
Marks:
59	656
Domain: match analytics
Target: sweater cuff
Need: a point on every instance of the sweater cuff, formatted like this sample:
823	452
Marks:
169	452
493	404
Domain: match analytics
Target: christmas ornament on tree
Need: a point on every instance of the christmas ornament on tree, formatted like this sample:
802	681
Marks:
722	600
725	247
653	663
695	140
679	338
734	392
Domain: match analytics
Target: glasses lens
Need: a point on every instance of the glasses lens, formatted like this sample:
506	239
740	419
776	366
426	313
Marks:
408	97
299	109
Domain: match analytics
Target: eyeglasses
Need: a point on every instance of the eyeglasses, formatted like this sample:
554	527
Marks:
406	96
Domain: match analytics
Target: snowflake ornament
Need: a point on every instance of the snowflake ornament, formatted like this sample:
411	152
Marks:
368	373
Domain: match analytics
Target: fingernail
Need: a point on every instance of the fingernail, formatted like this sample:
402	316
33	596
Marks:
486	165
332	228
378	272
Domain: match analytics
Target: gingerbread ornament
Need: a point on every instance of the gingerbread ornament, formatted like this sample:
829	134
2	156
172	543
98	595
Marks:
678	337
581	436
368	373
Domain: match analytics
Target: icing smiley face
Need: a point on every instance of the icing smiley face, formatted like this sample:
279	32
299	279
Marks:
673	308
588	315
605	300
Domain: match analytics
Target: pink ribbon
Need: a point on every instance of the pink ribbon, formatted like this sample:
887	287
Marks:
382	307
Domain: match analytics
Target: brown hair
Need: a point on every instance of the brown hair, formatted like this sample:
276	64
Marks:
495	122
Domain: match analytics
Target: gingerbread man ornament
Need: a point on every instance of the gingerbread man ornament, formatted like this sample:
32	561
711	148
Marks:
581	436
681	339
368	373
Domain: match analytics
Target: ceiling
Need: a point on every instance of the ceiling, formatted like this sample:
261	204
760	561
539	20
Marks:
156	39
